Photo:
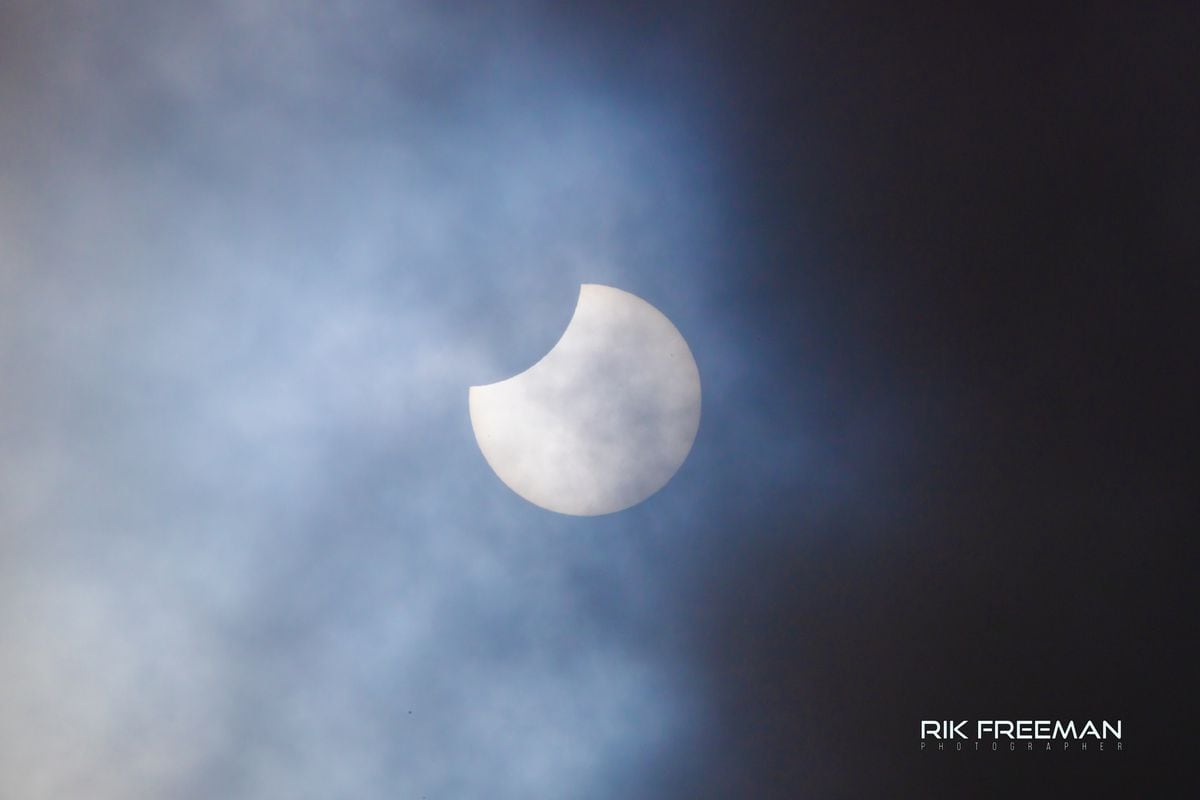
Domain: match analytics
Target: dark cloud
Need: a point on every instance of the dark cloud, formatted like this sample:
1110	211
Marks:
968	309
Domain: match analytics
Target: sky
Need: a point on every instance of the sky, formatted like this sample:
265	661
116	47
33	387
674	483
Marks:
936	265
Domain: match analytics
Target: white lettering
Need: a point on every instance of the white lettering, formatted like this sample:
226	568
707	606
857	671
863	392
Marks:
1061	732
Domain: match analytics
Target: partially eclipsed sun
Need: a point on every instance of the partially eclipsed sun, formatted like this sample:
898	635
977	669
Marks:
604	420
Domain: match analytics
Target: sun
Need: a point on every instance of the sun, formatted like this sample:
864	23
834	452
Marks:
602	421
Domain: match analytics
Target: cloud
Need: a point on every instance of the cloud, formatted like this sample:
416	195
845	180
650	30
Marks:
254	255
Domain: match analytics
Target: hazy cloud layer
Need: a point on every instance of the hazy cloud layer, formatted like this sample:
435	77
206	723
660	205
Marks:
254	254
